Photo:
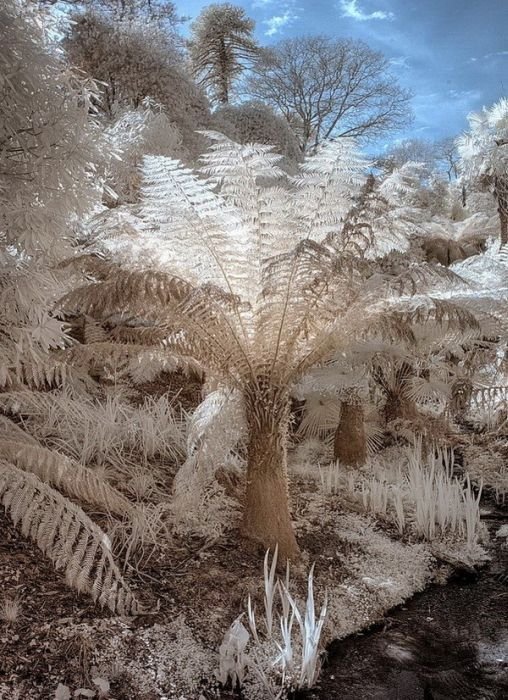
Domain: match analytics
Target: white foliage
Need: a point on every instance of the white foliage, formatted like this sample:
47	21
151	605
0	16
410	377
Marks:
423	496
484	148
329	181
232	659
287	657
223	238
135	133
29	331
135	59
214	432
93	432
51	157
49	146
256	122
403	184
486	271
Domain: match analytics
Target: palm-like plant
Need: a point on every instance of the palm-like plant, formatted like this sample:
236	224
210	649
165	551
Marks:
484	156
258	282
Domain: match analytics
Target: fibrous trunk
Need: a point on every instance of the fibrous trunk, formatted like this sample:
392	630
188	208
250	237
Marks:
350	445
395	386
267	518
501	193
462	390
398	406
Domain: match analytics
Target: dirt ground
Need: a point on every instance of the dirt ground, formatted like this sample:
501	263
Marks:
448	643
193	590
60	637
49	643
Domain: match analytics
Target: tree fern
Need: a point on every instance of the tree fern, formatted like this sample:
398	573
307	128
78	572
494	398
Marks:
484	156
256	309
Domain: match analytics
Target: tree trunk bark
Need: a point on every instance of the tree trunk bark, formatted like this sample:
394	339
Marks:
462	390
267	518
223	74
398	406
503	218
350	444
394	386
501	192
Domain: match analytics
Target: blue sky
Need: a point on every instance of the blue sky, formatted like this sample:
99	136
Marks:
453	54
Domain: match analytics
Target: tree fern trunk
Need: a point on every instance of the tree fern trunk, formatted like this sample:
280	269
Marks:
501	193
267	518
350	444
398	406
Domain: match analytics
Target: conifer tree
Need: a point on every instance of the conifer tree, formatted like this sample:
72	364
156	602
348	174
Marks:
221	47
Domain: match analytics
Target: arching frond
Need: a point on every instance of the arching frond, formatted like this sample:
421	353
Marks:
215	431
64	474
130	293
320	416
67	536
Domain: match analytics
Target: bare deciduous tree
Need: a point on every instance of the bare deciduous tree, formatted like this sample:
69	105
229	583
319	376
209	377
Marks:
448	155
414	150
331	87
221	47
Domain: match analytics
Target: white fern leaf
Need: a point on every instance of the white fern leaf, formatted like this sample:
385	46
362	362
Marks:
67	536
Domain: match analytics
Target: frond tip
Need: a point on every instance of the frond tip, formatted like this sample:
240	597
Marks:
75	480
67	536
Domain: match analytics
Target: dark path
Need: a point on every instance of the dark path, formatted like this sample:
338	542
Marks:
448	642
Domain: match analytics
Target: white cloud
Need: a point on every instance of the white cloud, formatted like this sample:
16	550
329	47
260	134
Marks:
277	22
400	63
350	9
487	56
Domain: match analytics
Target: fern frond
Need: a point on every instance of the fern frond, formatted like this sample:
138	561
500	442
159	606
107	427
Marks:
331	177
191	225
93	265
238	168
445	313
66	475
321	414
40	372
421	277
131	293
200	322
10	431
67	536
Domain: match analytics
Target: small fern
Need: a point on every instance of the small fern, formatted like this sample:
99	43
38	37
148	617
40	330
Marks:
67	536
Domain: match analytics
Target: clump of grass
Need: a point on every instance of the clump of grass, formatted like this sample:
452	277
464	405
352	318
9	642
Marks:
287	656
422	495
102	432
10	610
